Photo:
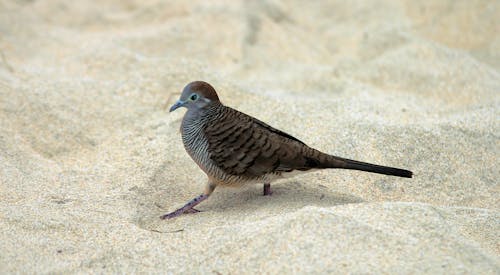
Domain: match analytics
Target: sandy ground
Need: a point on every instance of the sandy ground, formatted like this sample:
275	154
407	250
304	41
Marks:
90	157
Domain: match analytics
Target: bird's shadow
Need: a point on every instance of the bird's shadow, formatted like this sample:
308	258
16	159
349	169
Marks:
286	197
232	205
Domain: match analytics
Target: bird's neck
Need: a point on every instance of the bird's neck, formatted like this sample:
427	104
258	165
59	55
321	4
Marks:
200	116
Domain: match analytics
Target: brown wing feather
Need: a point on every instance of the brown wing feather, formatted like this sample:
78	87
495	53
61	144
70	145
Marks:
242	145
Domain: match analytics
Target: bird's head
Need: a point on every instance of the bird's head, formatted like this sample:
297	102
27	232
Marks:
196	95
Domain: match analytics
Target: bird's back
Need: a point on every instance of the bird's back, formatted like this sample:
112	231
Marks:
232	146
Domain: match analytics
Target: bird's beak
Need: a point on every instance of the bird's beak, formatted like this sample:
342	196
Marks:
176	105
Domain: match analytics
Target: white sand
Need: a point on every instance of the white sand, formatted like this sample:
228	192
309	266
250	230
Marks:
89	156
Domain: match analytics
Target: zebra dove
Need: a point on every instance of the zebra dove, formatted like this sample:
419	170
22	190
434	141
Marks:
233	148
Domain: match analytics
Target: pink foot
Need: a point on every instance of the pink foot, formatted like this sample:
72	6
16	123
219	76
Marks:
267	189
188	208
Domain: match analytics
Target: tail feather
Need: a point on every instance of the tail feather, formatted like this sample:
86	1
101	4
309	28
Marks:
336	162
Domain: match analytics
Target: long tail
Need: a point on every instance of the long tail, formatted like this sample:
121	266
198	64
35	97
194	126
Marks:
337	162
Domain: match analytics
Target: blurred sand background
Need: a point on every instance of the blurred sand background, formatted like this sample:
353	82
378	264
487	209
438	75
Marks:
90	157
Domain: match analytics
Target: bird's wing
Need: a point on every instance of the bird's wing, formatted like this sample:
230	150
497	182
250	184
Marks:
242	145
276	131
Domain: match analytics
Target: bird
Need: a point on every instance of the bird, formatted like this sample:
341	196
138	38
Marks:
234	149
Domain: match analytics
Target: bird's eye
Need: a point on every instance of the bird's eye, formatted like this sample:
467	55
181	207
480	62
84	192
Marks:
193	97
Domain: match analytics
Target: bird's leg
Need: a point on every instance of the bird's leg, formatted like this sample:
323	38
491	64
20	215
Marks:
267	189
189	207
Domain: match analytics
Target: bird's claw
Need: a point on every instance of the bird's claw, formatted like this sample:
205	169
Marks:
179	212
